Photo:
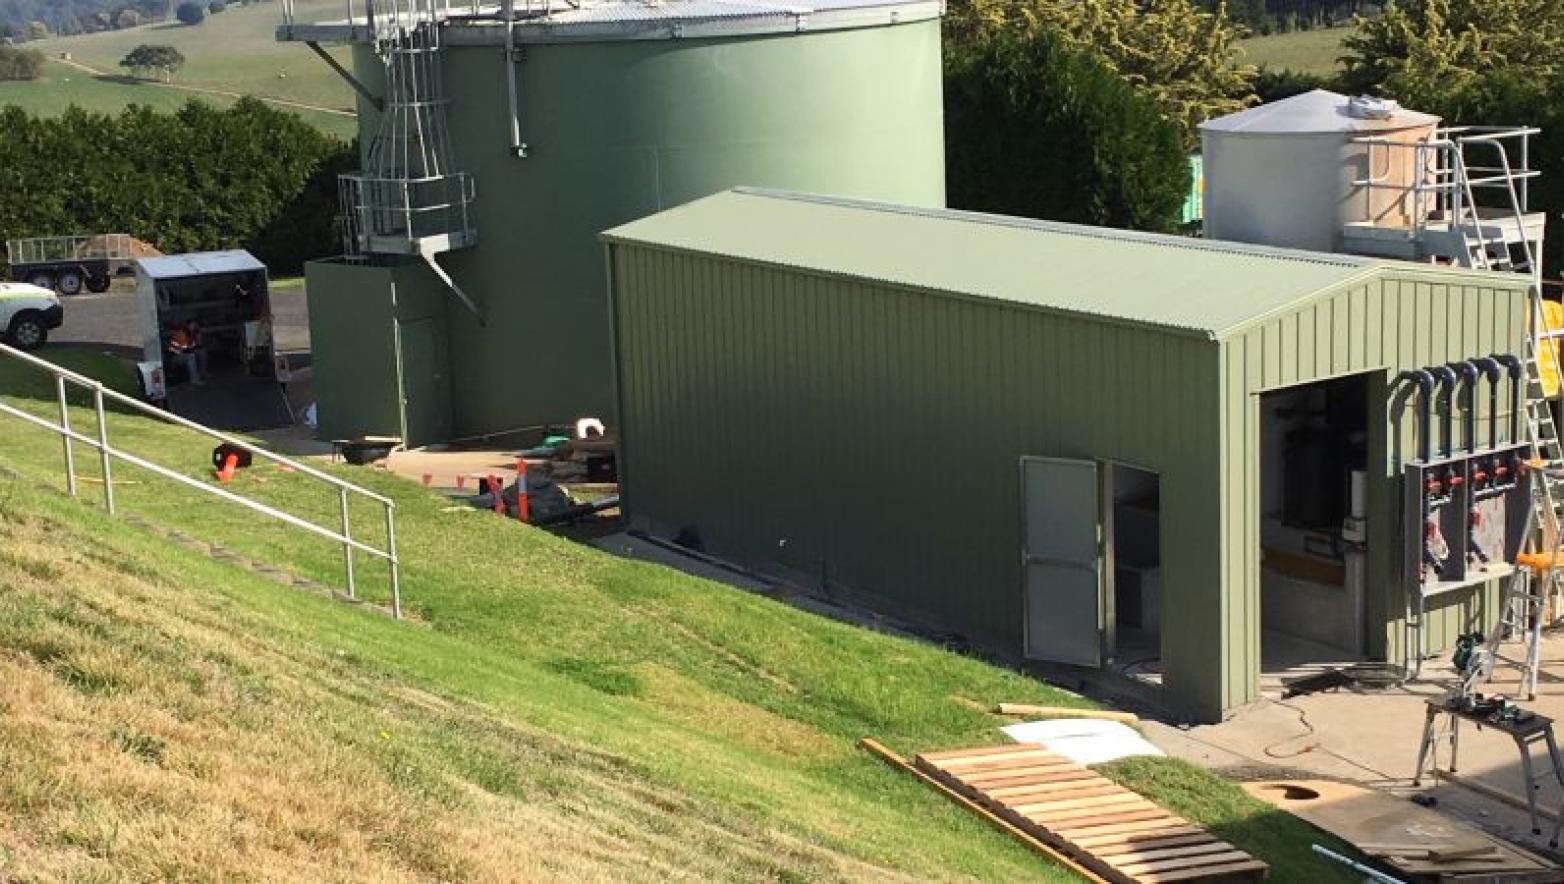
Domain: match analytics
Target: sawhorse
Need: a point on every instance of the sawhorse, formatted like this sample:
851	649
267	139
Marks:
1526	734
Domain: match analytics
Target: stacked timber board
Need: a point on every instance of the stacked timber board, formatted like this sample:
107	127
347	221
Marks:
1104	826
1415	842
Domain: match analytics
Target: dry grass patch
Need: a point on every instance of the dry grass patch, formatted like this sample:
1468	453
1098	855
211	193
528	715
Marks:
148	733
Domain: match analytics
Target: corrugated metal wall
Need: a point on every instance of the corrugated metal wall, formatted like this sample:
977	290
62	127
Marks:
870	436
1401	319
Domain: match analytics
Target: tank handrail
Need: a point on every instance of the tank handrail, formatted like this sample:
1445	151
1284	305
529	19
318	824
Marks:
1499	135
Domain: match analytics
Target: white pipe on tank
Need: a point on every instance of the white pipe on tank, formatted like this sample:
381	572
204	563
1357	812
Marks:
517	149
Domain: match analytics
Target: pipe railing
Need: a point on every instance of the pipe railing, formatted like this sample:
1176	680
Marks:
107	453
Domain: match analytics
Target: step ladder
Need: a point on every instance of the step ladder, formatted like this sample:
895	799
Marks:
1529	592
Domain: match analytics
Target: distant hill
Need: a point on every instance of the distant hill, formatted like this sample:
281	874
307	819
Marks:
232	53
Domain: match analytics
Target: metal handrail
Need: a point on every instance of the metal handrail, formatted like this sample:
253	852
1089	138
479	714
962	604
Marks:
107	453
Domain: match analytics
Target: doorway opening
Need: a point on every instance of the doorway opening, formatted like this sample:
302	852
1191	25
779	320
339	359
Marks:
1313	526
1133	543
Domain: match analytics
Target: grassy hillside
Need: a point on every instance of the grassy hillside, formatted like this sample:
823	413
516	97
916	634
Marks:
1313	52
550	711
234	51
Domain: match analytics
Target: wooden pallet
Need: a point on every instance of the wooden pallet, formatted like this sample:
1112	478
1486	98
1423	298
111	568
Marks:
1106	827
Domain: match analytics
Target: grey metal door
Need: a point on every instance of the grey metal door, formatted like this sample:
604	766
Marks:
426	381
1062	560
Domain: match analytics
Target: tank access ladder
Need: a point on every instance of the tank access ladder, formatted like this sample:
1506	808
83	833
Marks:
411	199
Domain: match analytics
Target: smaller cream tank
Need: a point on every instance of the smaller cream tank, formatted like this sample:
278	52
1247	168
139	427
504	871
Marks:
1284	173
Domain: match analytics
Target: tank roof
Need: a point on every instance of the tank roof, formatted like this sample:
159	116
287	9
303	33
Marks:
1317	112
608	20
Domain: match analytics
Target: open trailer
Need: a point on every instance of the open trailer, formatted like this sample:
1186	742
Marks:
68	264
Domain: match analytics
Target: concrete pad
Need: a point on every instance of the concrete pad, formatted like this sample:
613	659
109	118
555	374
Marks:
1371	738
452	469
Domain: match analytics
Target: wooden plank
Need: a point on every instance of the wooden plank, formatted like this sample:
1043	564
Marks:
1065	712
1041	769
1251	866
1210	847
1144	833
1072	832
973	751
1081	790
994	762
996	783
1205	860
1104	804
1151	843
1151	813
1072	802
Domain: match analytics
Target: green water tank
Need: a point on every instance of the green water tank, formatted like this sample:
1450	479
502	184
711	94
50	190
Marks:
626	109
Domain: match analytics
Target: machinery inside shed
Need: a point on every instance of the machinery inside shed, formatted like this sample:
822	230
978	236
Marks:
1313	525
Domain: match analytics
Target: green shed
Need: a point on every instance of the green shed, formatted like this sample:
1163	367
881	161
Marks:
1169	458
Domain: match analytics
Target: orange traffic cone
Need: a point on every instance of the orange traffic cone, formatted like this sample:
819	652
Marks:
230	465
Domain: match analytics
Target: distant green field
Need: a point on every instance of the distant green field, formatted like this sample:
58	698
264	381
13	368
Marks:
1313	52
61	87
233	51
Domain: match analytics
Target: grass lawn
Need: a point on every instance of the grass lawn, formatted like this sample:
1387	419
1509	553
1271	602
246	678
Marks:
549	712
1312	52
233	51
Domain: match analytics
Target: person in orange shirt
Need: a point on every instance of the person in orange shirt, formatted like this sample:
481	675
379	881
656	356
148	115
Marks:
185	346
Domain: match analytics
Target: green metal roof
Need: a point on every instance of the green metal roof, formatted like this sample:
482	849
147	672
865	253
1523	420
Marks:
1191	285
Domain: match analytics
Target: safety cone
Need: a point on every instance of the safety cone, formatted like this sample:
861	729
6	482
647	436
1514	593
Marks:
230	466
523	506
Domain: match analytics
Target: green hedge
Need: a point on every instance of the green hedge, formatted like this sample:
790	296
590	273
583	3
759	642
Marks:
202	178
1035	129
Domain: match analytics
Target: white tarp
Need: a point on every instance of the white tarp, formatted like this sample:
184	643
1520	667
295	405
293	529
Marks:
1083	740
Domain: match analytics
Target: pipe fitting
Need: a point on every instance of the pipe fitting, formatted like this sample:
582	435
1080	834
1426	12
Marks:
1425	385
1448	381
1469	374
1492	371
1517	376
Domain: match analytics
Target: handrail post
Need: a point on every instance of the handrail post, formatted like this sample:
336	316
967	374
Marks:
65	424
103	449
347	546
391	559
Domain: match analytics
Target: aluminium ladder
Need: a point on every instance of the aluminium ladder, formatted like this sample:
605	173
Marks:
1530	589
1526	595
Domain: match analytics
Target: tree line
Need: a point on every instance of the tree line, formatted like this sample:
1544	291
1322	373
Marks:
1282	16
24	20
202	178
1084	110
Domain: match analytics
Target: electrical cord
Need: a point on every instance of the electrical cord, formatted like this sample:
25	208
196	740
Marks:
1303	719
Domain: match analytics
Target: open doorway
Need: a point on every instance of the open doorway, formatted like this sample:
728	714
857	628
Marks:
1133	499
1313	535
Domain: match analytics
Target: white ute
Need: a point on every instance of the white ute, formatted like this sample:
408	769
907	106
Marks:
27	313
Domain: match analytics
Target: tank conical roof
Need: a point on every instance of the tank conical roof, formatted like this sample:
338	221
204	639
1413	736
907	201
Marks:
1317	112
